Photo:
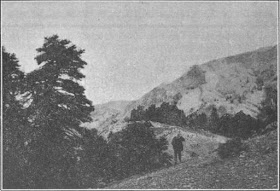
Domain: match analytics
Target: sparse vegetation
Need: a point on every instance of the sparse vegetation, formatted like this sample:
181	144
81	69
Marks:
197	73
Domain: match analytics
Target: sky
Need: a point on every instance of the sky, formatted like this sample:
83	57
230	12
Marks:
132	47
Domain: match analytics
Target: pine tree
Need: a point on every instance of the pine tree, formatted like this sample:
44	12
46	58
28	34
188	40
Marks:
57	108
14	124
12	79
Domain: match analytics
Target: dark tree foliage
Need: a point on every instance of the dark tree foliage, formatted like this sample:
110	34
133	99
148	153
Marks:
166	113
15	130
259	82
94	160
137	114
137	150
12	77
213	120
268	110
44	144
57	108
238	125
198	121
232	148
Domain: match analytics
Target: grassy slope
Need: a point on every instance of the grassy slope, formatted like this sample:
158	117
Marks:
256	169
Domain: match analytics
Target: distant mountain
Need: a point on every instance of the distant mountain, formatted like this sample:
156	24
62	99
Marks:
230	84
106	114
114	105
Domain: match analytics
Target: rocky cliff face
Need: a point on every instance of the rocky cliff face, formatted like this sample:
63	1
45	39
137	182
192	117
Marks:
230	84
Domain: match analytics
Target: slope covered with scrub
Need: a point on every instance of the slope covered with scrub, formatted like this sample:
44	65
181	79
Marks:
255	169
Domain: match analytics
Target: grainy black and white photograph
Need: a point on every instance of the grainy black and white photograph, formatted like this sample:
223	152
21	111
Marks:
139	95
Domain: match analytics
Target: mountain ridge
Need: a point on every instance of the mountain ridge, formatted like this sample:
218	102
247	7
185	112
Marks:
231	84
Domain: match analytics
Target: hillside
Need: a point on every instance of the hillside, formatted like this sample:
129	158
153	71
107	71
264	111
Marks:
254	169
230	84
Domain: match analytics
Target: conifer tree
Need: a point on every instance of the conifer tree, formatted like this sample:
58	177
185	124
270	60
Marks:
57	108
14	124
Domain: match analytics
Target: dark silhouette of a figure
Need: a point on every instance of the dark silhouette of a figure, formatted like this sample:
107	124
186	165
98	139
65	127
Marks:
177	143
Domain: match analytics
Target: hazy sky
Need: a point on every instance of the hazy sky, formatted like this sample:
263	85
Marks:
131	47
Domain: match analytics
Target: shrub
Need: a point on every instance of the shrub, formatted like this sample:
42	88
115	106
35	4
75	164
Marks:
93	167
231	148
137	150
268	109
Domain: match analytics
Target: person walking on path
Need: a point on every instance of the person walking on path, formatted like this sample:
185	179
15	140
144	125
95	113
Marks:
177	143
